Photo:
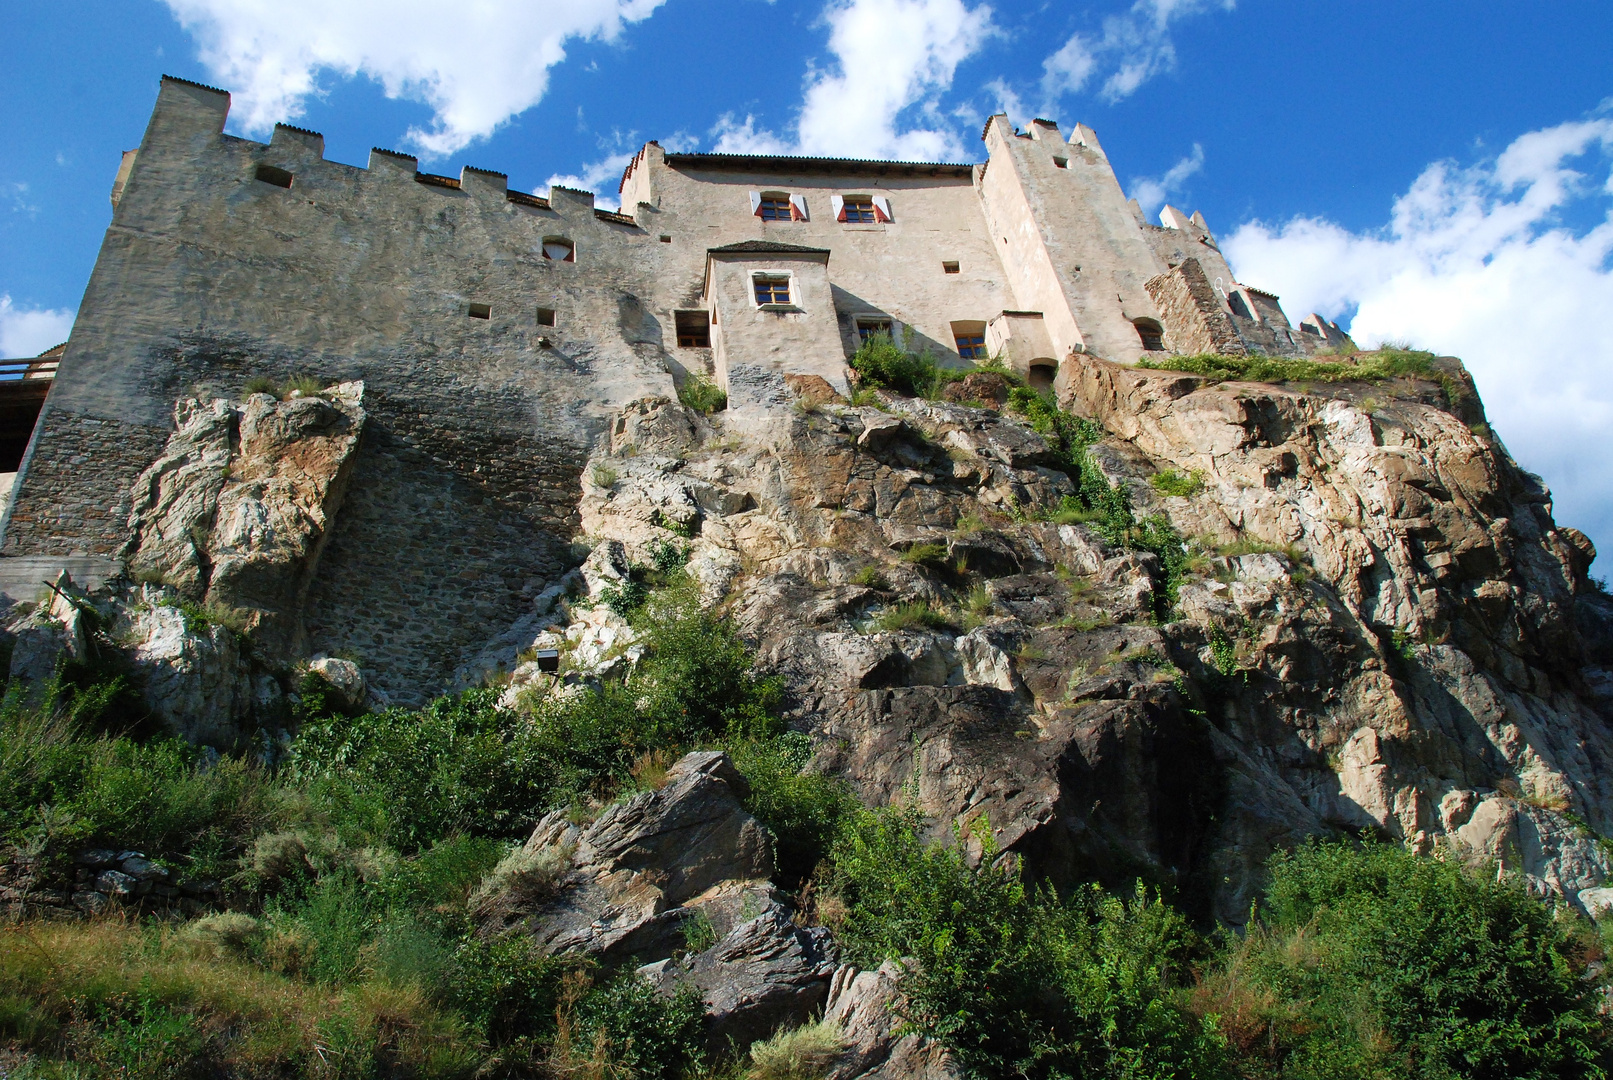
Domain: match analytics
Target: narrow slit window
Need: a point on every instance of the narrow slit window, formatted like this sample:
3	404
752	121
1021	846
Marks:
481	311
949	268
546	316
867	328
694	329
772	289
271	175
559	249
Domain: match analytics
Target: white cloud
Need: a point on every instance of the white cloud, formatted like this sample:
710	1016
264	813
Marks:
1133	48
475	64
891	57
29	332
1477	262
1152	191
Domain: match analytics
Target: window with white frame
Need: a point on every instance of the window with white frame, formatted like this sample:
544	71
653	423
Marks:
778	206
772	289
860	209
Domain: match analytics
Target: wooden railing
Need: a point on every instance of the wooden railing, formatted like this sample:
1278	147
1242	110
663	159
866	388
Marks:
28	369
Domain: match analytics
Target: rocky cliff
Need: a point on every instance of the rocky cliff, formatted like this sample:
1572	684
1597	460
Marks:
1325	607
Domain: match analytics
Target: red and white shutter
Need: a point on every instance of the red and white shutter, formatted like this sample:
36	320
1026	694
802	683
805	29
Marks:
882	208
756	203
837	206
798	207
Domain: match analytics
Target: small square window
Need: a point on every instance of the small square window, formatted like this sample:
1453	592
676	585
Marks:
1061	163
949	268
867	328
971	346
481	311
775	208
271	175
772	290
858	210
546	316
665	239
694	329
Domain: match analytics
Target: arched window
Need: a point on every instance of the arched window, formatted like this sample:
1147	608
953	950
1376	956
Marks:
1151	334
559	249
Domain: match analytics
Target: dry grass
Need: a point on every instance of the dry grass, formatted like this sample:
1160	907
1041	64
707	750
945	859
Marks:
521	879
803	1053
116	999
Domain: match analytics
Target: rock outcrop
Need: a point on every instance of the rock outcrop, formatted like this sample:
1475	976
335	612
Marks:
235	511
1382	627
676	881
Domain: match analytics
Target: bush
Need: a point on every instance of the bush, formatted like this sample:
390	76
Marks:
1171	482
702	395
1369	367
803	1053
1016	981
805	811
1370	961
880	362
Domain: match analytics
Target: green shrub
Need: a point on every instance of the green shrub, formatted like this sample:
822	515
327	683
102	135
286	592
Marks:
1369	961
1018	981
932	555
1171	482
880	362
803	1053
702	395
914	615
1369	367
805	811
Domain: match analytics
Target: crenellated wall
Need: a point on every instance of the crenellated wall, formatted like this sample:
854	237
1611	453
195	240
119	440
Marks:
497	331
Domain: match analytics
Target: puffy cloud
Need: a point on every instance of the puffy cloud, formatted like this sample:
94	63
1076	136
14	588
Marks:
1152	191
1133	48
1478	262
475	64
600	177
890	56
26	332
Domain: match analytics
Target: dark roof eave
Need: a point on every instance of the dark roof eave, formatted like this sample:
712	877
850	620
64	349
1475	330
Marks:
765	247
785	163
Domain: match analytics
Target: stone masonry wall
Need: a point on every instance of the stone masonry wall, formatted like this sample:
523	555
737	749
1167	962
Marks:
1190	313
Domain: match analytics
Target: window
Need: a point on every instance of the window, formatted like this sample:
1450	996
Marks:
481	311
559	249
1151	334
665	239
949	268
271	175
868	327
1061	163
546	316
774	208
772	289
858	210
694	329
1235	302
971	339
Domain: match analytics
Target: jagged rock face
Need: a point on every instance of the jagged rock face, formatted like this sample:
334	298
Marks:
236	509
866	1006
1435	676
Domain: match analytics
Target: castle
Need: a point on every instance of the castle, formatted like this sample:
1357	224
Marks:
496	331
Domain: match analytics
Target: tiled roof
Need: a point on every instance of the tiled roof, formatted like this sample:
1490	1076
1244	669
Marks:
766	246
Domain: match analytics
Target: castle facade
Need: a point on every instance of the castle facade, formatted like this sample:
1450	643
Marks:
496	331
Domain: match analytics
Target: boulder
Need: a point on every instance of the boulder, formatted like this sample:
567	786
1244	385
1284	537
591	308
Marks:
619	884
865	1005
345	679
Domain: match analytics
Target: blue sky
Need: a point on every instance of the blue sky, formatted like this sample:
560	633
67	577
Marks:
1436	171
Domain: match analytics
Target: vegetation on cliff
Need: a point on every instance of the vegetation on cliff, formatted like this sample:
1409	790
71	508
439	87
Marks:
349	949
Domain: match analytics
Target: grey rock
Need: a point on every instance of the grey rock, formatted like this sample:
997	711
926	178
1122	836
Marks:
345	679
865	1005
116	883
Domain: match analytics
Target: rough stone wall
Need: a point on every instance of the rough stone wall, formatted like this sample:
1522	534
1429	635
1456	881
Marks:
1193	318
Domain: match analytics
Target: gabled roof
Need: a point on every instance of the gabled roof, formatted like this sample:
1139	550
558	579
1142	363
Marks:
765	246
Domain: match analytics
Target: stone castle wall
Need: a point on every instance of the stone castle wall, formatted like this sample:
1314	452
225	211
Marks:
493	358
